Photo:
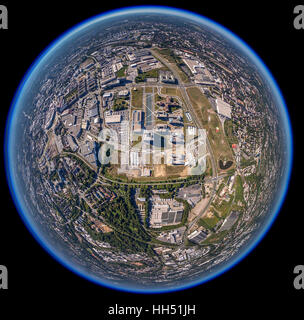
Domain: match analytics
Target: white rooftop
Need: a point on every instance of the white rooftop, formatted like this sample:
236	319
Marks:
223	108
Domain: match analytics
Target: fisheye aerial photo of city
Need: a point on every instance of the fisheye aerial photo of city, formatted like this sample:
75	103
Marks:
150	151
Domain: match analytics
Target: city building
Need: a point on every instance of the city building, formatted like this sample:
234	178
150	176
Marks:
166	77
137	120
165	212
116	118
223	108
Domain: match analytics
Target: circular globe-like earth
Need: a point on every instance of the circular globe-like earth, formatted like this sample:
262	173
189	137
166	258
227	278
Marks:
148	78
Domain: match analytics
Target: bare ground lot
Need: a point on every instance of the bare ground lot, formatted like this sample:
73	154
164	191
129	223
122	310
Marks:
198	208
160	170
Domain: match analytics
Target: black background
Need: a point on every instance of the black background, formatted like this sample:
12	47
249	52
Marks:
263	281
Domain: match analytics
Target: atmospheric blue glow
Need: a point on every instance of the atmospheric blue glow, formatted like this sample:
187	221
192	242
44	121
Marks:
16	108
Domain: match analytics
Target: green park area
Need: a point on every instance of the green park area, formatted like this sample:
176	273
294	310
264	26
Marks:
121	104
209	222
142	76
121	72
128	234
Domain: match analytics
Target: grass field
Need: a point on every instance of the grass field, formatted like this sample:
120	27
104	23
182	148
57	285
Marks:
169	91
121	72
215	237
201	106
137	98
228	126
210	121
176	170
182	75
208	171
149	89
208	222
149	74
